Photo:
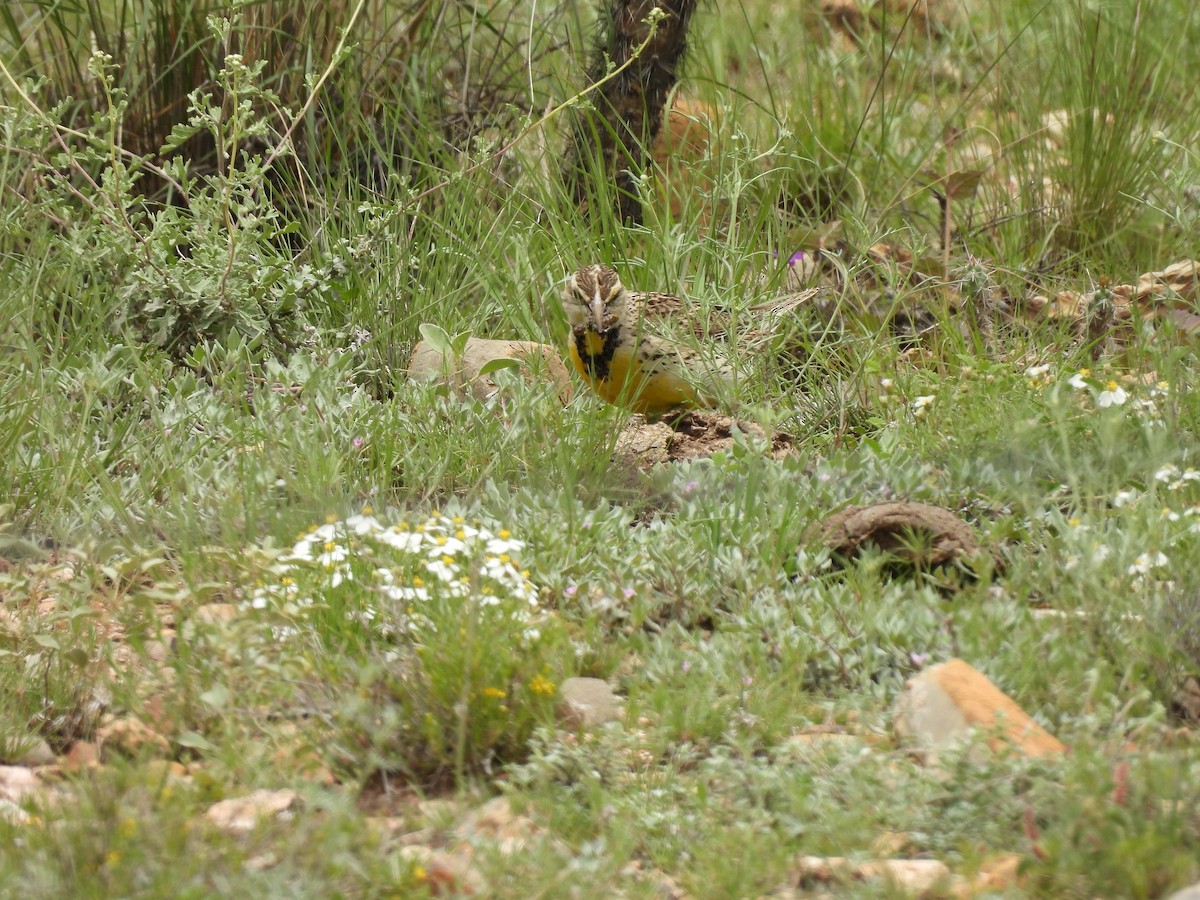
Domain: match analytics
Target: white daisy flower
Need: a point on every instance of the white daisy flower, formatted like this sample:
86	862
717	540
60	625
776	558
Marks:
442	570
332	553
1146	562
404	541
301	550
362	524
446	546
326	532
1112	395
504	543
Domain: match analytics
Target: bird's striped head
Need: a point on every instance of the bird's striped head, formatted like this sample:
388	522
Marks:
595	299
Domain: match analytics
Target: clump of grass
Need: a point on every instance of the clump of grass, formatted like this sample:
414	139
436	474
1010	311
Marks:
207	268
438	609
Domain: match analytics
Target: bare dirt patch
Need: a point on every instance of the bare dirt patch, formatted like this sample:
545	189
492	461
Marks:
695	435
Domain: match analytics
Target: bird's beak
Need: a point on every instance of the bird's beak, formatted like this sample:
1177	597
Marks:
597	308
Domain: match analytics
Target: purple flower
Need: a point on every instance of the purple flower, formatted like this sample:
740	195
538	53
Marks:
795	257
747	681
570	590
357	442
690	486
628	593
919	659
685	666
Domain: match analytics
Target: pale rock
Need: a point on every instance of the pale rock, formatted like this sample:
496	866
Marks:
587	702
261	862
538	363
1192	892
216	613
495	823
17	782
130	736
39	754
917	877
157	651
943	705
242	814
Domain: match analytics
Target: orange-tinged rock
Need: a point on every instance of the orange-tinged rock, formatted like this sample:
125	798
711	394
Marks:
997	874
82	755
946	703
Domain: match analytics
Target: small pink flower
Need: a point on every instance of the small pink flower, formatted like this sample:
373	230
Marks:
570	590
358	442
747	681
628	593
685	666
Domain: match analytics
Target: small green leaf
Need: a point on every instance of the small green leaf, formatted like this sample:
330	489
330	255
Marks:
195	741
44	640
435	336
216	697
500	362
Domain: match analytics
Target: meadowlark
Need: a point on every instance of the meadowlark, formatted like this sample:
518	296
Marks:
621	343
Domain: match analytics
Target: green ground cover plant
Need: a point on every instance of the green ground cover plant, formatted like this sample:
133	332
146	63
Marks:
241	549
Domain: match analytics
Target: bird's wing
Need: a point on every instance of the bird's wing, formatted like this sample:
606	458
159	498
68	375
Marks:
665	313
694	339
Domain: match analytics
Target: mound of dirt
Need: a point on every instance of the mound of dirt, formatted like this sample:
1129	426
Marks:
918	533
694	435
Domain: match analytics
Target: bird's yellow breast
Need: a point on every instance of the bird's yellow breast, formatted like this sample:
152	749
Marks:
619	376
